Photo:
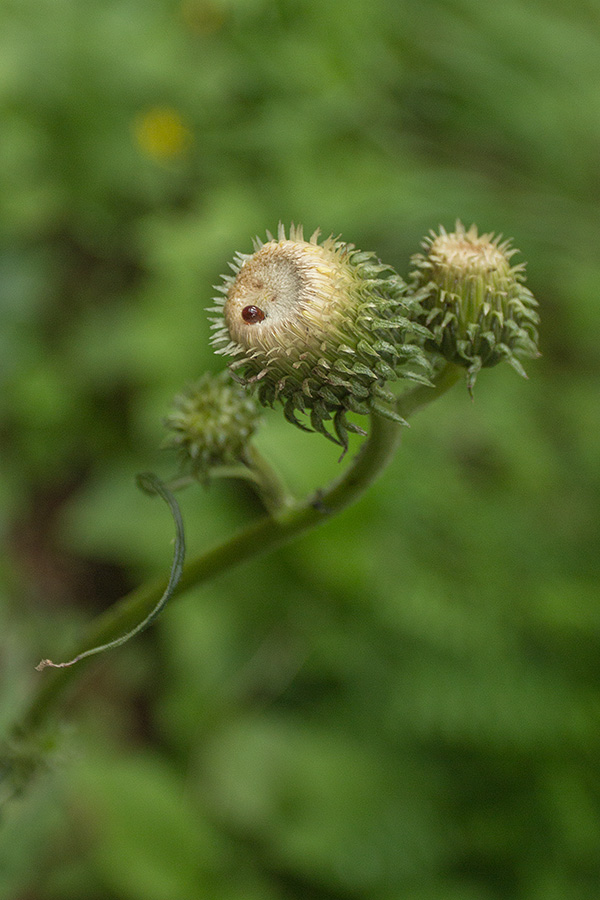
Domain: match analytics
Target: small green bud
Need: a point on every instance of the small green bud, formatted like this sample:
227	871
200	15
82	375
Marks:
211	424
475	301
320	328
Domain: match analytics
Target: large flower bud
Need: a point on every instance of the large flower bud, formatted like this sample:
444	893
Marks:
319	327
211	424
475	301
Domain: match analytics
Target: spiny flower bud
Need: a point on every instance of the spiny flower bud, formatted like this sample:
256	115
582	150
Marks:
211	423
475	302
319	327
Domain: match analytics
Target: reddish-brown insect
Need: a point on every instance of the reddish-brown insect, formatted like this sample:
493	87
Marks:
252	314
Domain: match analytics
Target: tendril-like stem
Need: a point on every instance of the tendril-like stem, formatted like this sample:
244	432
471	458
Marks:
152	485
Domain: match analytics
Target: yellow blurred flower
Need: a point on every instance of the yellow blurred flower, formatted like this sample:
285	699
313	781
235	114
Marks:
202	17
162	134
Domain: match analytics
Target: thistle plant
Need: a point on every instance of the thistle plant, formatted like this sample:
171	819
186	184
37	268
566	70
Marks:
211	424
321	328
329	333
475	301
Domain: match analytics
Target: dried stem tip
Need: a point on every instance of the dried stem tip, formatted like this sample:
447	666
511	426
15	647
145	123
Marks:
319	327
475	302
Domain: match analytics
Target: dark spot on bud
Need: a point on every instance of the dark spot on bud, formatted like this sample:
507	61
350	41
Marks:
252	314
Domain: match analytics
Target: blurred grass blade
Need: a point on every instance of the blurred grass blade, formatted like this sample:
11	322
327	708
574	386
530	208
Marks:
151	484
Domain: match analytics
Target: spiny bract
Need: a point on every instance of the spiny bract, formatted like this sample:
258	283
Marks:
475	302
320	328
211	423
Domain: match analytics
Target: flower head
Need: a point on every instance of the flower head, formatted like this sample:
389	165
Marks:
211	423
474	300
319	327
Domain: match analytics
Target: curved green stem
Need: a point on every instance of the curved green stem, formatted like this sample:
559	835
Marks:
258	538
254	468
269	486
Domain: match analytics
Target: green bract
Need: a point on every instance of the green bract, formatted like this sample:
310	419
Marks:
211	423
474	301
320	328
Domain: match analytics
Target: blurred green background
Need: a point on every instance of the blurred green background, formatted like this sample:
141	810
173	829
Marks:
405	704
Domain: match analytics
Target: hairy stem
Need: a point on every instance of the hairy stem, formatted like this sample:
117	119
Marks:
258	538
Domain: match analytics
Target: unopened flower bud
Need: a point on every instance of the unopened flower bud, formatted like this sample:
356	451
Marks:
475	301
319	327
211	423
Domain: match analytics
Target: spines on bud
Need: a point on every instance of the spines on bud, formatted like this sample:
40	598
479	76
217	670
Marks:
211	423
319	328
474	301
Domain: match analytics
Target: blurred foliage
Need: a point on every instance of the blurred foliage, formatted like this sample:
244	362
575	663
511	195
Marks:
405	704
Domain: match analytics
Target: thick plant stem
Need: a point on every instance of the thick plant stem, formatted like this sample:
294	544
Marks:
260	537
269	486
